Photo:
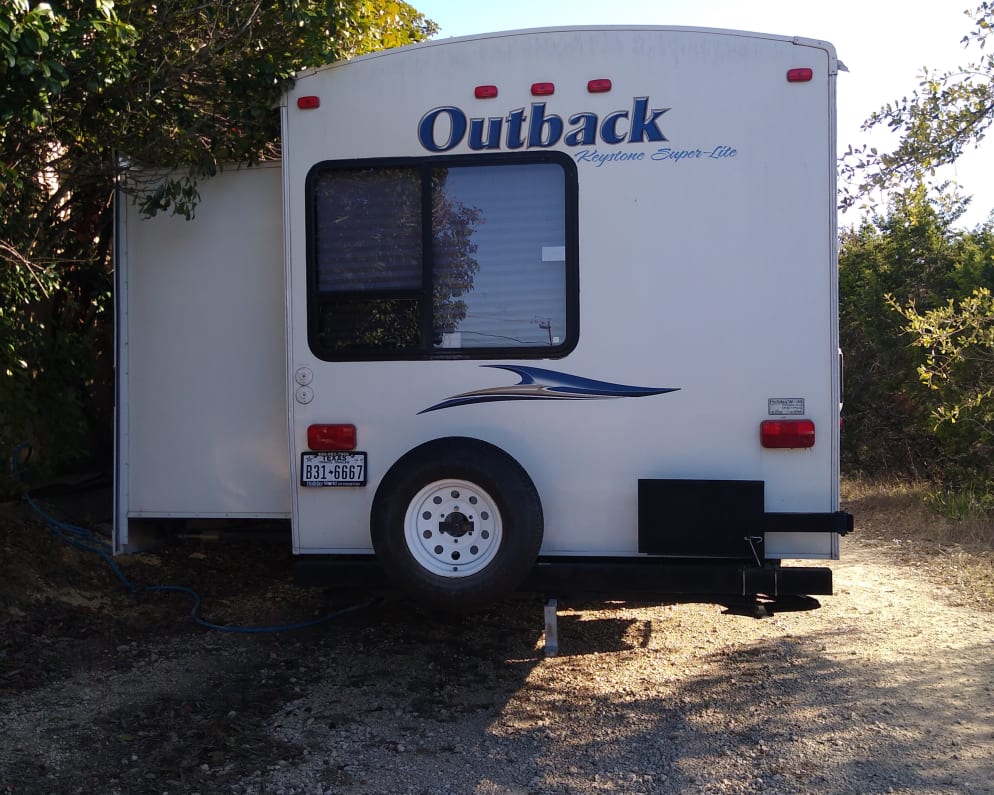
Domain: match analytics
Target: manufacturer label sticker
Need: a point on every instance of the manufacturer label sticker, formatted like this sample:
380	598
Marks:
786	407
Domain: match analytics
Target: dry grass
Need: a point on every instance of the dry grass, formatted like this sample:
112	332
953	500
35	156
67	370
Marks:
901	518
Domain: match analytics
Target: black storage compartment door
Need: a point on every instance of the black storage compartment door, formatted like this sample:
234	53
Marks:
700	518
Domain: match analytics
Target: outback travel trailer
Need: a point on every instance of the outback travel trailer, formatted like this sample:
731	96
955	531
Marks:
549	310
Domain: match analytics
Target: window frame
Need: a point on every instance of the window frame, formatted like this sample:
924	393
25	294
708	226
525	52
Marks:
425	350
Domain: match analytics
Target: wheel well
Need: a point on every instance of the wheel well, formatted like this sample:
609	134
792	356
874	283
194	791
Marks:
440	444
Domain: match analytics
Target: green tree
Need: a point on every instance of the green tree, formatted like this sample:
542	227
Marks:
174	84
912	252
957	338
949	112
53	256
917	262
937	280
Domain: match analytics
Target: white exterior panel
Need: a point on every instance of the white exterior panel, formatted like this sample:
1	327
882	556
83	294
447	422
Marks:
202	354
712	273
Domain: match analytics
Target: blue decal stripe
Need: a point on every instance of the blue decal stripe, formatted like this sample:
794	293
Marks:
540	384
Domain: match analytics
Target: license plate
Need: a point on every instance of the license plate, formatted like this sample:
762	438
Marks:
332	469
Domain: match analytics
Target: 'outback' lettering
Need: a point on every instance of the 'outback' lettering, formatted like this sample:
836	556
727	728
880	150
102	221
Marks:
443	129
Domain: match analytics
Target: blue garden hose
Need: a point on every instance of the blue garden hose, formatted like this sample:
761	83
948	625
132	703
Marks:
84	540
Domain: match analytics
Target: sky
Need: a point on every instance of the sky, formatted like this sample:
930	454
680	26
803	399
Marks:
884	43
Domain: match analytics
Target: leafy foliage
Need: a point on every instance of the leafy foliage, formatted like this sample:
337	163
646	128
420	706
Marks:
914	260
958	339
174	84
915	290
911	253
948	112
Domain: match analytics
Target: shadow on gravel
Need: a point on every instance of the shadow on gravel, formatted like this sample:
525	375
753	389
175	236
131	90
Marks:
821	722
107	692
779	715
488	714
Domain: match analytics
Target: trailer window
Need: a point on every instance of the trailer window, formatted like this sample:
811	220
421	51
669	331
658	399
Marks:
443	258
369	235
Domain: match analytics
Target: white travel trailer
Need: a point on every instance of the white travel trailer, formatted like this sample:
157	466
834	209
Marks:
549	310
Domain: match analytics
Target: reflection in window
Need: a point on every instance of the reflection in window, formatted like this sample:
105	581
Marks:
385	324
516	296
368	229
406	261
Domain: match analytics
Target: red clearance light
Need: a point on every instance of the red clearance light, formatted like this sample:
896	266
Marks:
598	86
308	103
485	92
800	75
331	437
543	89
787	434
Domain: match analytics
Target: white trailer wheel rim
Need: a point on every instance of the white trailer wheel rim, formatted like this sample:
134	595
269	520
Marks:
453	528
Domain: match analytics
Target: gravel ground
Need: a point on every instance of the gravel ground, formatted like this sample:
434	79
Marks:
887	687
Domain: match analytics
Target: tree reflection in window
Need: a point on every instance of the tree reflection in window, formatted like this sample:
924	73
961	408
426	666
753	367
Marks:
470	237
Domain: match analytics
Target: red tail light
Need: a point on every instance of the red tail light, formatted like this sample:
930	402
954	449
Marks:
787	434
485	92
598	86
331	437
800	75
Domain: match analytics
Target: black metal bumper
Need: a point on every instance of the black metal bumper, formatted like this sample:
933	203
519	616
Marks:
660	577
608	578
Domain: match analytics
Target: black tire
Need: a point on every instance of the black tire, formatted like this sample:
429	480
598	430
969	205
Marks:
457	523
